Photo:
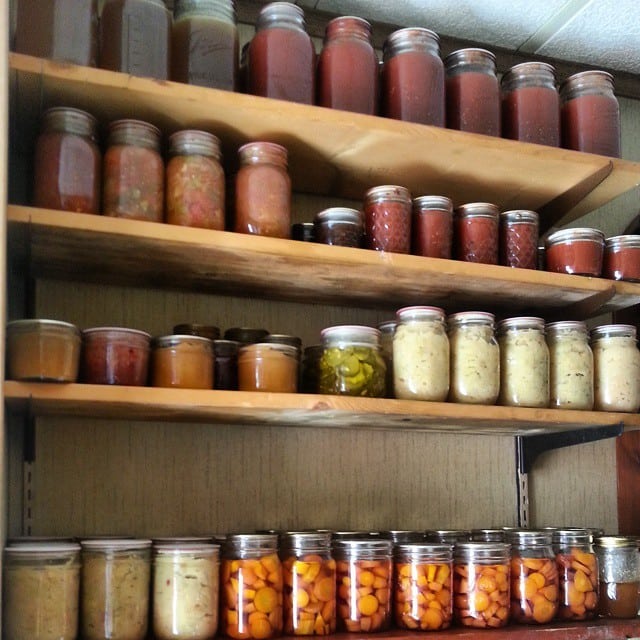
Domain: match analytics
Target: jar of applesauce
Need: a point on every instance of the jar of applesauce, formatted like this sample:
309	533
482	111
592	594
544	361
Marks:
268	366
182	361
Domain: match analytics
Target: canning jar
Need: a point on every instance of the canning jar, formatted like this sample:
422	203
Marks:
351	363
185	588
472	91
40	591
204	43
387	219
67	167
421	354
133	182
251	587
387	329
432	226
364	571
310	369
347	73
266	366
303	231
225	364
115	583
616	365
310	578
590	114
263	191
195	181
531	104
619	576
115	355
519	239
621	259
481	589
476	232
413	77
281	56
578	251
42	350
524	363
185	362
423	575
570	365
475	358
340	226
534	577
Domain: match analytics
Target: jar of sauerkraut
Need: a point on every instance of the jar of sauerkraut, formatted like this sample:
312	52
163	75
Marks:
475	358
421	354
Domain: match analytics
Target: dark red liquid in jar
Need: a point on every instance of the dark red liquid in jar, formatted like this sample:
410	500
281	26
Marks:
476	233
532	114
575	251
622	258
387	214
432	229
473	103
519	239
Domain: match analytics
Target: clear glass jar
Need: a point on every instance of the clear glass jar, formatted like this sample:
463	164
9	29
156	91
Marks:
185	362
225	364
475	358
387	329
616	365
432	226
40	591
423	574
519	239
481	584
387	219
364	572
476	232
265	366
524	363
340	226
310	368
622	258
577	251
421	354
570	365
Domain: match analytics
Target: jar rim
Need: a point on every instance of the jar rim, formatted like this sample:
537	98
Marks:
521	322
339	214
520	215
34	323
615	542
469	55
528	67
420	312
553	327
484	209
345	330
48	548
186	549
287	349
433	202
174	339
370	544
627	241
126	330
472	316
575	235
388	192
430	547
613	330
116	544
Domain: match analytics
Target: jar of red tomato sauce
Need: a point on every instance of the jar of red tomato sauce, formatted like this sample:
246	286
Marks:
387	212
68	162
519	239
622	258
133	172
476	232
432	226
263	191
578	251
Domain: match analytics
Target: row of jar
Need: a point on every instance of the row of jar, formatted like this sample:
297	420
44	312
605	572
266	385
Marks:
301	583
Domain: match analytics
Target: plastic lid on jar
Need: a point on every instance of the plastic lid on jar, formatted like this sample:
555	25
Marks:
519	215
162	342
616	243
245	335
116	333
439	203
194	142
115	544
410	39
419	313
339	214
478	210
613	331
555	328
351	334
33	325
580	234
471	317
389	193
193	329
521	322
470	56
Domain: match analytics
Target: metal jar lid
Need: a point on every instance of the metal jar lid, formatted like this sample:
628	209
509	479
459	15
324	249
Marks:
439	203
580	234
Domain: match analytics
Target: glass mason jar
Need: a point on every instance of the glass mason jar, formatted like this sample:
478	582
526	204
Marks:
265	366
251	587
413	77
387	329
347	73
40	591
281	56
519	239
578	574
225	364
619	576
421	354
472	91
578	251
387	219
303	231
534	577
364	570
531	104
340	226
475	358
310	583
616	364
590	114
422	575
67	168
263	191
524	363
204	43
115	583
481	589
133	180
184	362
432	226
186	577
570	365
622	258
310	366
195	185
476	232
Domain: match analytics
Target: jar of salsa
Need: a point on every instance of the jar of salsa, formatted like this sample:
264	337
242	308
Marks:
282	58
266	366
578	251
413	77
472	91
204	43
347	74
185	362
387	214
263	191
225	366
339	226
133	172
432	226
531	104
519	239
68	163
622	258
195	181
476	232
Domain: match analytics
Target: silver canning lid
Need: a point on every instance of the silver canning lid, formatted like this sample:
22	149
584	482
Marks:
391	192
519	215
449	535
365	24
125	330
173	340
440	203
478	210
418	313
615	542
571	536
126	131
339	214
528	537
522	322
218	8
70	120
263	151
480	550
615	243
554	328
487	535
194	142
305	539
370	544
583	81
613	331
526	69
280	11
422	547
469	56
251	541
34	324
115	544
348	334
403	536
410	39
286	349
471	317
580	234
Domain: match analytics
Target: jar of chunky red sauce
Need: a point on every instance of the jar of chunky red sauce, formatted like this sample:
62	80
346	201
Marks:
531	104
387	213
263	191
622	258
68	163
133	172
413	77
577	251
472	92
347	74
432	226
195	181
281	57
519	239
476	232
590	114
